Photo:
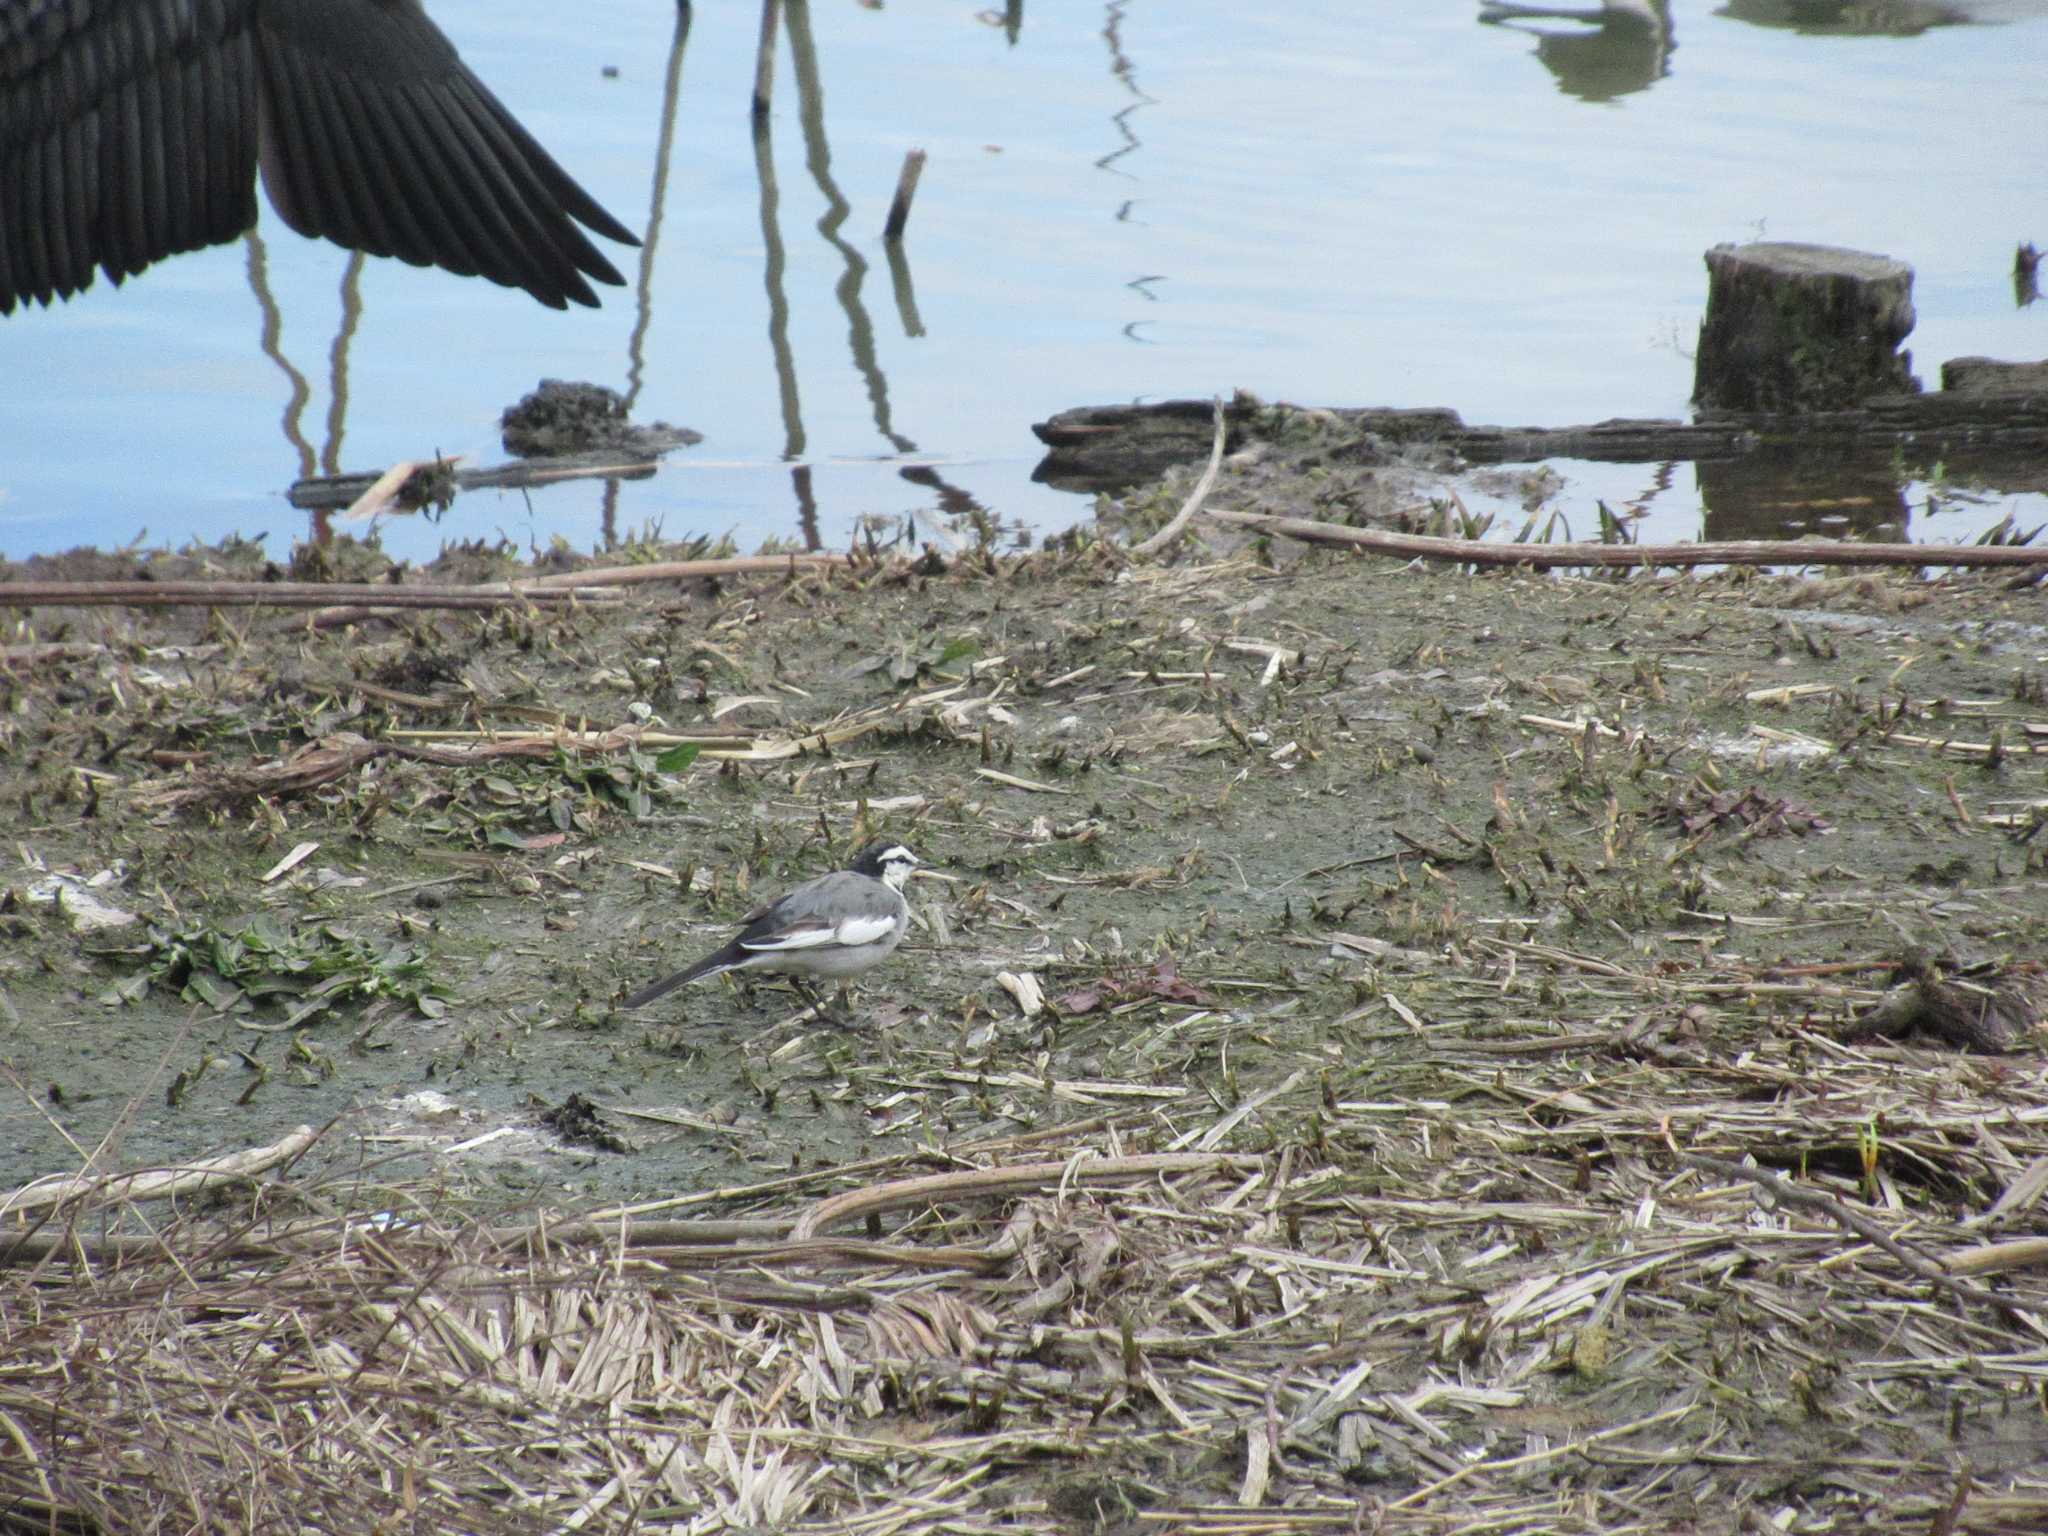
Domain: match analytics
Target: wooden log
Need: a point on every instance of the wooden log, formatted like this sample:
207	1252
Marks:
1999	435
1977	377
1794	327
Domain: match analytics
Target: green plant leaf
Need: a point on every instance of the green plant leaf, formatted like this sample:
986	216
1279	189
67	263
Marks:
677	758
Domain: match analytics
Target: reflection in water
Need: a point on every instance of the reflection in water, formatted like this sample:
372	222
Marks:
906	292
1127	76
764	58
269	339
952	500
1624	46
806	505
1778	493
1010	18
773	266
1875	18
301	392
337	363
643	286
329	457
860	330
657	203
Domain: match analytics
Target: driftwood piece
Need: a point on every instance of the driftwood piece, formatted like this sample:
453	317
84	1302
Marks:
1793	327
1992	1014
325	492
1112	447
693	570
155	1183
563	430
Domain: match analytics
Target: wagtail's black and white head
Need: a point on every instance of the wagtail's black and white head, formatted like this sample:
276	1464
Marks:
833	927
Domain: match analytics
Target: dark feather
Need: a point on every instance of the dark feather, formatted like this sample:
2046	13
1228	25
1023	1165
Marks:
131	130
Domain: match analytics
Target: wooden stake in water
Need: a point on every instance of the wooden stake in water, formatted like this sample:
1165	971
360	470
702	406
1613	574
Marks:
764	58
906	189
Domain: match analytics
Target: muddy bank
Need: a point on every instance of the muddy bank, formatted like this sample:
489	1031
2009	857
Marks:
1210	770
1451	940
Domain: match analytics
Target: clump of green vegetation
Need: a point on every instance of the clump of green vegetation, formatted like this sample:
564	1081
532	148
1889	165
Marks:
264	960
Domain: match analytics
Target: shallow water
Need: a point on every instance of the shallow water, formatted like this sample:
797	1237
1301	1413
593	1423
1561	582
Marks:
1330	203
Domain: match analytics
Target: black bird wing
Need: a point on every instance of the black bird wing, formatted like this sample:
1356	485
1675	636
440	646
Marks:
377	136
127	132
131	129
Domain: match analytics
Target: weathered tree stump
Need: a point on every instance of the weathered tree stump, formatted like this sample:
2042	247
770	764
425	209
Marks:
1802	328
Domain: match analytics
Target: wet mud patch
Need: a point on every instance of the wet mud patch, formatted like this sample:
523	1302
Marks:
1238	767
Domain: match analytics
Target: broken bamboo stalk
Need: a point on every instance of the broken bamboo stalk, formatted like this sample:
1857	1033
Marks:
286	594
1646	556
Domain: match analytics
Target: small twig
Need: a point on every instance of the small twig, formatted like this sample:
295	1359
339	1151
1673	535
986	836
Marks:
1864	1227
1193	504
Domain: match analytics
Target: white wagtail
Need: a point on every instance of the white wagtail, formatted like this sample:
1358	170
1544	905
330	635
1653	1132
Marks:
836	926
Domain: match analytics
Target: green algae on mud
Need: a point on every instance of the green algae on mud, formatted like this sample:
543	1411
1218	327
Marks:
1258	764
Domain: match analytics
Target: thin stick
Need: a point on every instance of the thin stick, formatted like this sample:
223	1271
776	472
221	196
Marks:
285	594
624	576
982	1182
685	570
1864	1227
1742	552
906	189
1193	504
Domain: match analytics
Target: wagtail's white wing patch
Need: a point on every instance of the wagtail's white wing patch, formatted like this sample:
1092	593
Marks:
847	933
872	929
